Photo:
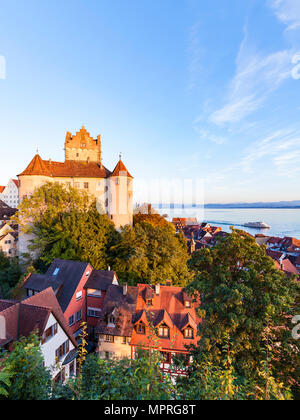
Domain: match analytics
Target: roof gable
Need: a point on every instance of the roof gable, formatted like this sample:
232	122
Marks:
121	170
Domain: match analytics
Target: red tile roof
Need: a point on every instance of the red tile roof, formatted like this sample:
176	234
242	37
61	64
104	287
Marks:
2	188
69	168
47	299
167	307
30	315
121	170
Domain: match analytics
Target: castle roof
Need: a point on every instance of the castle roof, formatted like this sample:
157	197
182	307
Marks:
121	170
69	168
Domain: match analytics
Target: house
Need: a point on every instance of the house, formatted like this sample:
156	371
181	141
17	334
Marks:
290	245
8	239
41	314
115	326
274	242
131	314
9	194
82	169
96	289
297	263
6	212
261	239
172	313
79	289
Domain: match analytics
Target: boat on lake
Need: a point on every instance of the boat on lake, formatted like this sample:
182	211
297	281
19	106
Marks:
257	225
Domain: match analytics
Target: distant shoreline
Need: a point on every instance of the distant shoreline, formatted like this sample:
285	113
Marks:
222	207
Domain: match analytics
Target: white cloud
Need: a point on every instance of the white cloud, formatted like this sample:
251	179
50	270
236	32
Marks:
205	135
281	149
288	12
256	77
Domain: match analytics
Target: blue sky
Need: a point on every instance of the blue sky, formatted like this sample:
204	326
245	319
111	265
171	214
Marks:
185	89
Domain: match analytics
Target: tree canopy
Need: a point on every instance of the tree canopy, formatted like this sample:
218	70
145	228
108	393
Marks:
245	298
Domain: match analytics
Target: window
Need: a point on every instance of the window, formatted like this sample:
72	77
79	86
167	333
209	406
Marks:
165	357
94	312
79	295
109	338
149	302
86	185
164	331
189	333
118	181
49	333
124	340
56	271
187	304
77	184
62	350
94	293
140	328
79	316
72	369
111	319
71	320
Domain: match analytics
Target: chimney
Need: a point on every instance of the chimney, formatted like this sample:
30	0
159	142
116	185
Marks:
125	288
2	328
157	289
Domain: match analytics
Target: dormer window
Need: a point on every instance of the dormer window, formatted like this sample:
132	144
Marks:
149	302
188	333
140	328
111	319
56	271
187	304
164	331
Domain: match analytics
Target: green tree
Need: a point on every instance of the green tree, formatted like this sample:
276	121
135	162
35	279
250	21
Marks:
10	274
154	218
65	223
29	379
151	254
244	297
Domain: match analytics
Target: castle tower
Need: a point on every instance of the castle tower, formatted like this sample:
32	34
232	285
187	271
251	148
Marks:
82	147
121	200
83	170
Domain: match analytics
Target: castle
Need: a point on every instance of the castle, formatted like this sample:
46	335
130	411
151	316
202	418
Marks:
83	169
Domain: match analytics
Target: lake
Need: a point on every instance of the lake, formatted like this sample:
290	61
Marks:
283	222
